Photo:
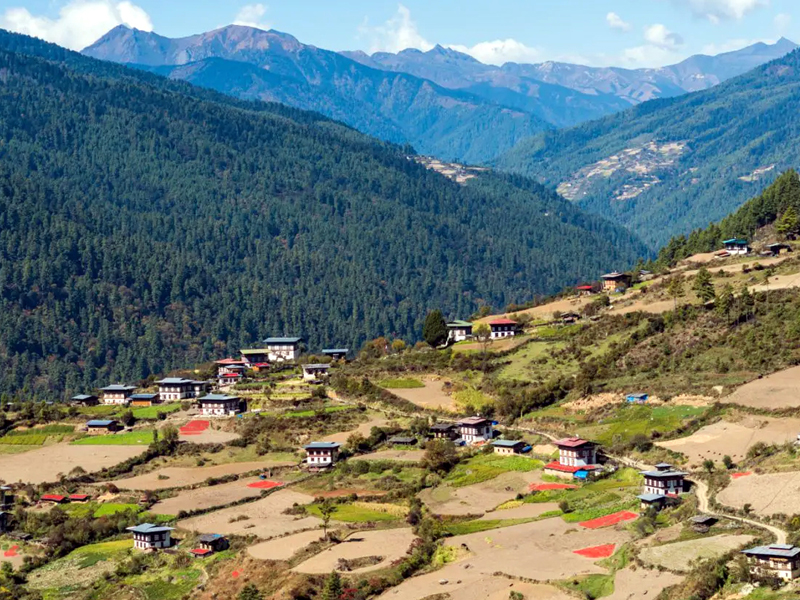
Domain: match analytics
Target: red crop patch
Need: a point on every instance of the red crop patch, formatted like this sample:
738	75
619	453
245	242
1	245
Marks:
740	475
265	485
603	551
608	520
195	427
11	551
542	487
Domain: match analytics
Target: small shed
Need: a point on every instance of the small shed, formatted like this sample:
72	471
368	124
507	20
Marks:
637	398
779	248
84	400
648	500
213	542
702	523
102	426
54	498
143	400
400	440
444	430
508	446
79	497
336	353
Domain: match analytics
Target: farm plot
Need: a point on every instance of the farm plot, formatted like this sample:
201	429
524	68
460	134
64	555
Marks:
46	463
80	568
172	477
734	439
263	518
383	547
525	511
398	455
286	547
208	497
779	390
679	556
141	437
364	429
766	494
430	395
641	583
470	585
480	497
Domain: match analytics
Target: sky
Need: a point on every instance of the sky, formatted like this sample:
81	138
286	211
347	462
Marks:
626	33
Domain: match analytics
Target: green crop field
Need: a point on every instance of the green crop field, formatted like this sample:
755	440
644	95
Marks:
112	508
23	440
631	420
151	412
348	513
401	383
131	438
466	527
488	466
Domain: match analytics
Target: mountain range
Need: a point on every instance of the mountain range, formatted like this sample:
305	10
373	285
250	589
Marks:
669	166
442	102
147	224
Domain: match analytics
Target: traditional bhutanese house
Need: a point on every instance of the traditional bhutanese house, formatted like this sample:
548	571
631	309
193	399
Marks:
198	388
141	400
336	353
117	394
779	248
651	500
55	498
508	446
84	400
613	282
148	536
474	430
636	398
230	365
315	372
577	458
400	440
736	246
556	469
229	379
444	430
212	542
255	356
283	349
173	389
220	405
321	455
664	480
458	331
776	560
503	328
584	290
79	497
103	426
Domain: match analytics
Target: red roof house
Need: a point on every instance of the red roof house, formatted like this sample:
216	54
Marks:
79	497
57	498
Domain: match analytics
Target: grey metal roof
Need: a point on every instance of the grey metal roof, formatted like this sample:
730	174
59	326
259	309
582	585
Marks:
147	396
664	474
442	426
174	381
651	497
776	550
83	397
283	340
321	446
118	388
336	351
149	528
210	537
218	398
99	422
507	443
317	366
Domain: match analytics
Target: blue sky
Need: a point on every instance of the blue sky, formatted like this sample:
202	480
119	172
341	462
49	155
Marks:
632	33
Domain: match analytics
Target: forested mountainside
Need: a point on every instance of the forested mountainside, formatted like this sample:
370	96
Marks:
268	65
666	167
147	225
600	89
779	202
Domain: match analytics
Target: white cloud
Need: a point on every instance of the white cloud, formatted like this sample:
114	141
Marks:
500	52
252	15
79	23
658	35
718	10
616	22
782	22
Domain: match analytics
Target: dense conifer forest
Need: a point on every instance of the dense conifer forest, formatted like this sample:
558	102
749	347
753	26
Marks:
146	225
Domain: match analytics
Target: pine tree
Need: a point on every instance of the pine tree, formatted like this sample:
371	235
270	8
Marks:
435	330
703	286
250	592
333	587
724	302
788	223
675	289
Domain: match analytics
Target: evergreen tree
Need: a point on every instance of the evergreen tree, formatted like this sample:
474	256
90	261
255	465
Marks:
704	286
724	302
675	289
788	223
333	587
250	592
434	331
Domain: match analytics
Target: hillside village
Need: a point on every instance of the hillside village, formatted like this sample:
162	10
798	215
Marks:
544	453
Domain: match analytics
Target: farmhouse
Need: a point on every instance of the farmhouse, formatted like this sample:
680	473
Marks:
576	458
103	426
736	246
117	394
336	353
84	400
778	248
584	290
474	430
664	480
777	560
508	446
209	543
256	358
503	328
283	348
458	331
148	399
198	388
655	500
614	282
228	379
173	389
401	440
148	536
321	455
229	365
220	405
444	430
315	372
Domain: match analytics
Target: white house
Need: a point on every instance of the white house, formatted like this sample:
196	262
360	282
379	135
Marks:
502	328
173	389
315	372
458	331
321	455
663	481
148	536
282	349
220	405
776	560
475	429
117	394
736	246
